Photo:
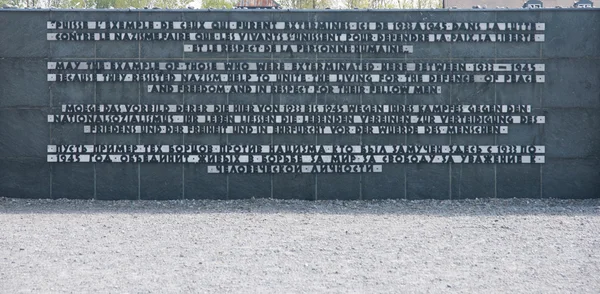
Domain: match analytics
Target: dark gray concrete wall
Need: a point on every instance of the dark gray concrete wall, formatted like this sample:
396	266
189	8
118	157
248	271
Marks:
566	101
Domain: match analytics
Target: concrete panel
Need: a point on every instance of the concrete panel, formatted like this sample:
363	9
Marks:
24	133
17	76
73	181
569	35
518	181
25	178
472	181
427	182
571	178
572	133
572	82
159	182
117	182
25	30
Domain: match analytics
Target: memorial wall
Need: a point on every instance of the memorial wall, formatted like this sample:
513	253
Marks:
196	104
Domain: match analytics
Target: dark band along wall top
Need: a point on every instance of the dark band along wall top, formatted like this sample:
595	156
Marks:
300	104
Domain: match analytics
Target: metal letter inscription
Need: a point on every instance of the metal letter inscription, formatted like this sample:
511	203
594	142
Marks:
378	62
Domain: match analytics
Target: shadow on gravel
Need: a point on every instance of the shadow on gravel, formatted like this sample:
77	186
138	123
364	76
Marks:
272	206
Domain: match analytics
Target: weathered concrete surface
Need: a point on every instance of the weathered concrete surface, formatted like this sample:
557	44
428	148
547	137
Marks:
569	99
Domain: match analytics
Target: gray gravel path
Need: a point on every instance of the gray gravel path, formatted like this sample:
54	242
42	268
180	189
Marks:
270	246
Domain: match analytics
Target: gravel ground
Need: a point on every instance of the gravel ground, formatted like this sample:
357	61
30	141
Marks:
271	246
